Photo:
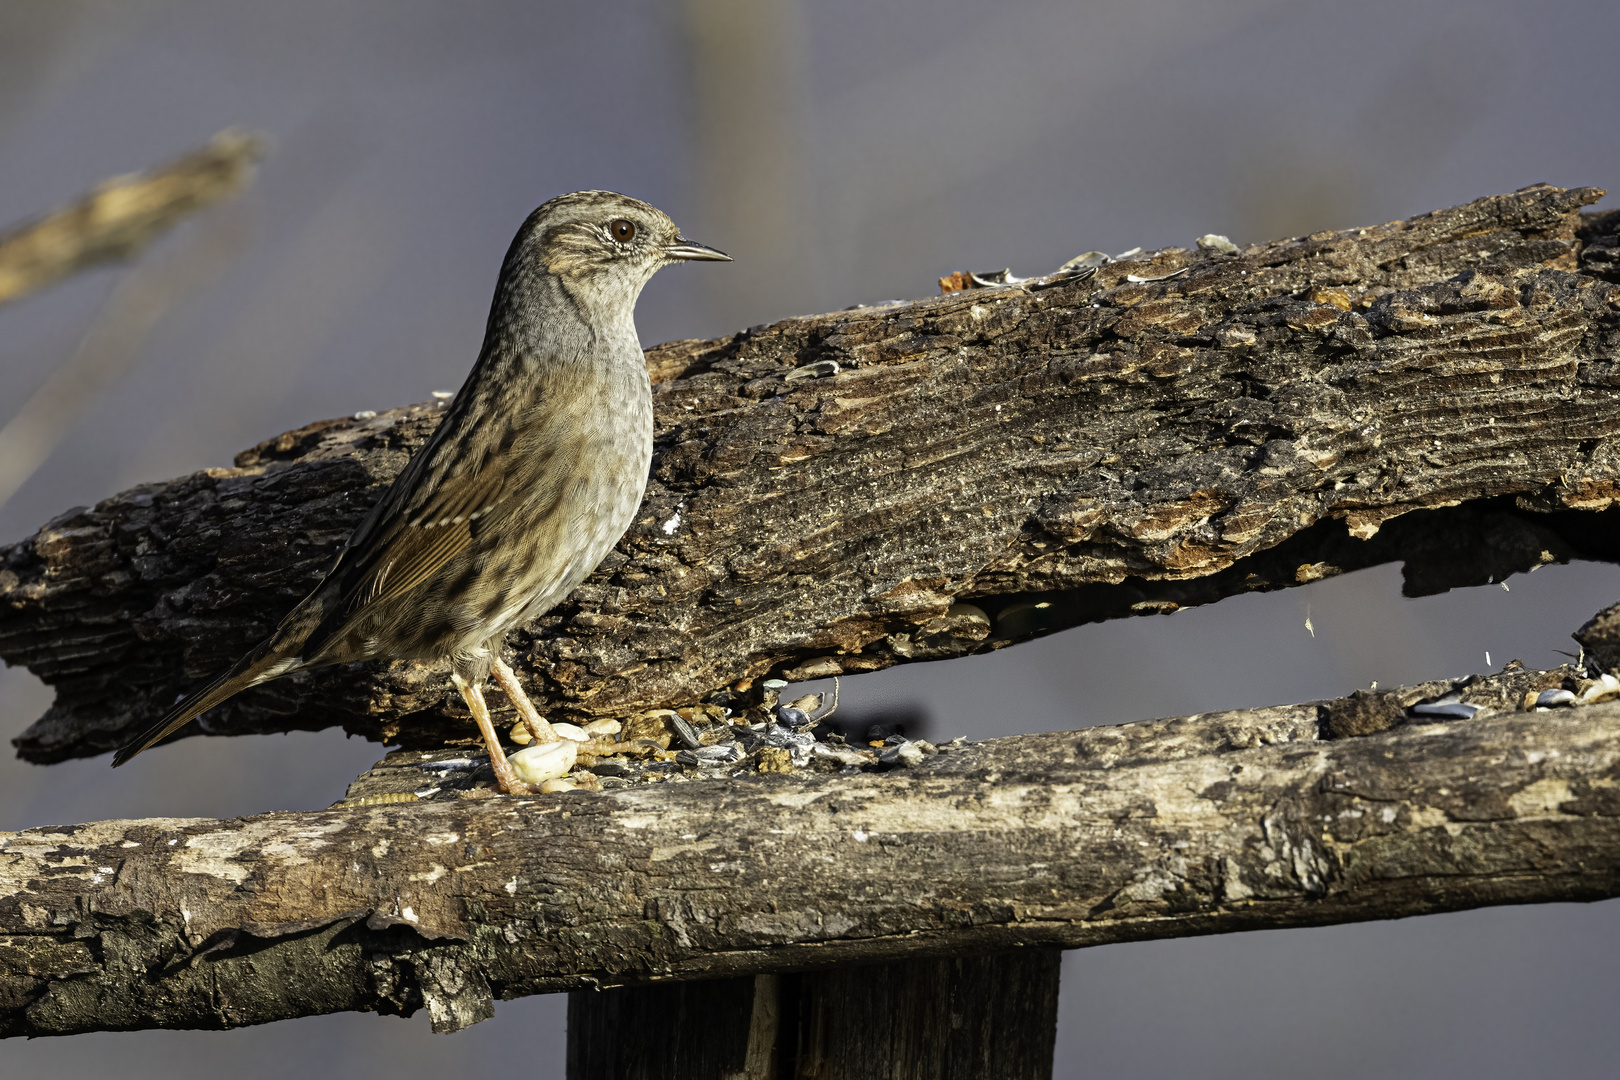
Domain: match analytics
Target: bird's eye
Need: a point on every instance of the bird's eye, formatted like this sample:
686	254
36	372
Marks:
622	230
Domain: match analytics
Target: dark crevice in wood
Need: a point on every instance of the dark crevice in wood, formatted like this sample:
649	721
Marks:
1478	543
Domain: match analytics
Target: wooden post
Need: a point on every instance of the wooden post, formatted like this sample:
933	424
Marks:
962	1017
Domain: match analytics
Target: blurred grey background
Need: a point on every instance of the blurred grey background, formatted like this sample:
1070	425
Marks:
843	151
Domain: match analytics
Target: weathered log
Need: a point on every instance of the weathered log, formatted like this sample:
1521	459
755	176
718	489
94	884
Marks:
984	467
1198	825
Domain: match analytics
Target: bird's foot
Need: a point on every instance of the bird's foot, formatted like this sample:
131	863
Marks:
507	779
592	749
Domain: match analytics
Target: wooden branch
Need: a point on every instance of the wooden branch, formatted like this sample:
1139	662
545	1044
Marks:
984	467
1197	825
123	215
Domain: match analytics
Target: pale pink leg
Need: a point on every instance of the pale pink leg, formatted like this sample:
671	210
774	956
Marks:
504	774
507	679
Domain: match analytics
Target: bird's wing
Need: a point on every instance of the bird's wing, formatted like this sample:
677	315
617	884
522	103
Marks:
418	538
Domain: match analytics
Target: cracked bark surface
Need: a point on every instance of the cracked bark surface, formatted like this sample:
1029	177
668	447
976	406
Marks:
985	467
1195	825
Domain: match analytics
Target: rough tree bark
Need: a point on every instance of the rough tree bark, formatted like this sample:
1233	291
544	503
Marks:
983	467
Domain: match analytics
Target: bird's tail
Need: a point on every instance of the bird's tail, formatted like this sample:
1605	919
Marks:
271	658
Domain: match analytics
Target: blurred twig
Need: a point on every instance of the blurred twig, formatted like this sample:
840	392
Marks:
123	215
112	343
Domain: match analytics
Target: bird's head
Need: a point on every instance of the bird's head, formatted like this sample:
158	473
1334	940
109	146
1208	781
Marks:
606	242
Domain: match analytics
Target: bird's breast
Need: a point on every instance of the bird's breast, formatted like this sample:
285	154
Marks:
582	471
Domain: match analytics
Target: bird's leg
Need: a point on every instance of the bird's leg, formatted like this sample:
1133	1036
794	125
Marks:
538	726
505	776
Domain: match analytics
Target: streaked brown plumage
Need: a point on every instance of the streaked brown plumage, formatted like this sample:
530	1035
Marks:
531	478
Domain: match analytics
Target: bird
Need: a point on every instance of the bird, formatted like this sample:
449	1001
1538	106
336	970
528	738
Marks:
530	479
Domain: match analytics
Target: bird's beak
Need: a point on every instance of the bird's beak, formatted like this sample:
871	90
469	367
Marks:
682	248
